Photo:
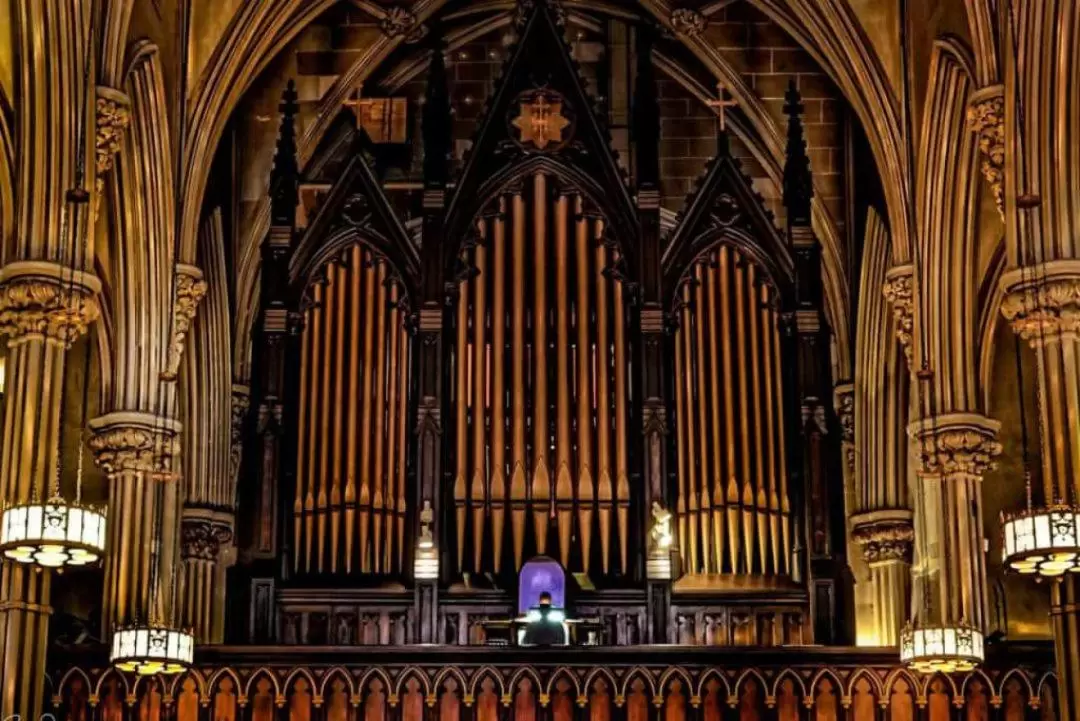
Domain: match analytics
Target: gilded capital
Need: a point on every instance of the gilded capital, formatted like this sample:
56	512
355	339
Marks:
986	118
133	441
1042	302
203	536
190	289
899	291
43	299
686	21
956	444
113	116
884	536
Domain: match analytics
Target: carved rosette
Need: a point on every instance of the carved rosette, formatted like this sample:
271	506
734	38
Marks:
899	291
956	445
986	118
397	21
1043	302
135	442
204	539
42	299
113	116
241	401
190	289
886	537
688	22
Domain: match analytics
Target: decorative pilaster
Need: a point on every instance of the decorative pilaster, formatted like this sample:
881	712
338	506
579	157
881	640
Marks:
899	291
986	118
954	451
139	453
190	289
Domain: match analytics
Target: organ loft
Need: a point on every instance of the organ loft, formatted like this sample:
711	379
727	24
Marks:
548	360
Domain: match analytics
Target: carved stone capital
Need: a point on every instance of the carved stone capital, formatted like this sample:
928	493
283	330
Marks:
956	444
204	537
884	536
133	441
190	289
397	21
113	116
1042	302
241	401
986	118
39	298
899	291
686	21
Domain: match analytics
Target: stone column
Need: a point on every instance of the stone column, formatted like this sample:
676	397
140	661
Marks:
42	310
885	538
206	551
954	452
137	451
1043	305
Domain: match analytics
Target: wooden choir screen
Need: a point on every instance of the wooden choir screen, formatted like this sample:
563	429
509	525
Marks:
803	693
540	390
349	508
733	507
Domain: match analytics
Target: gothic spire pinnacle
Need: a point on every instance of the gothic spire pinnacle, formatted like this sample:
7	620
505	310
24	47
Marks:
798	182
285	175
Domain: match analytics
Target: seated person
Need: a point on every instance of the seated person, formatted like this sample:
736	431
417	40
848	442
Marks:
545	625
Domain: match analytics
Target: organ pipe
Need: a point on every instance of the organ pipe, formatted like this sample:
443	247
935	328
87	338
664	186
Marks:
351	422
729	439
541	302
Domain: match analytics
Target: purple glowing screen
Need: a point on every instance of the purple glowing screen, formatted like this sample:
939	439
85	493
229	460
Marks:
539	575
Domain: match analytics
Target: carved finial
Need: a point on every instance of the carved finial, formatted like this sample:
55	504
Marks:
798	183
437	120
285	176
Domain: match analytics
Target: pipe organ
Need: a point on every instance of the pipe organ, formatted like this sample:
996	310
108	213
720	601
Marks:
348	513
733	506
539	393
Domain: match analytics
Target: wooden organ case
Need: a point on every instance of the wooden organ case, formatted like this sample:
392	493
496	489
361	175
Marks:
531	377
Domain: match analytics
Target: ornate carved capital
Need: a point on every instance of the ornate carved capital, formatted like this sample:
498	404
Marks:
884	536
241	401
1042	302
39	298
899	291
844	400
203	538
397	21
956	444
986	118
686	21
135	442
113	116
190	289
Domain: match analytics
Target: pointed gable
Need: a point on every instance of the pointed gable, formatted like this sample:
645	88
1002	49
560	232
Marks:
725	207
353	207
541	117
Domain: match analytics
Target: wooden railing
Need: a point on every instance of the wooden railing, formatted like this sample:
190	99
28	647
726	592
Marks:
638	683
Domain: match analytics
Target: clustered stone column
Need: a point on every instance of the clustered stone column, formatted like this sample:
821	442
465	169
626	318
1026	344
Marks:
1043	305
138	453
42	311
954	451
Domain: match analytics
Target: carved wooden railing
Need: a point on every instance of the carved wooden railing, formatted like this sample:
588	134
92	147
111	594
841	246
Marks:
639	683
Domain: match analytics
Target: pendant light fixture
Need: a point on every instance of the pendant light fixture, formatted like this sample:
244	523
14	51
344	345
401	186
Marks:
1040	540
51	532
